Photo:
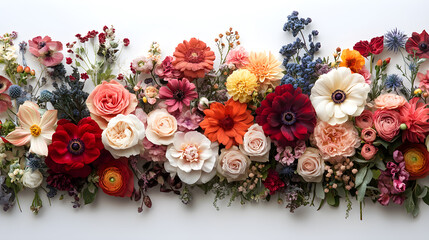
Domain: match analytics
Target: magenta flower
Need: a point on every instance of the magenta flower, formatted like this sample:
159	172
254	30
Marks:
178	93
46	50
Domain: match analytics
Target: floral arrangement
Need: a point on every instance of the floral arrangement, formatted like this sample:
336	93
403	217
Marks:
304	131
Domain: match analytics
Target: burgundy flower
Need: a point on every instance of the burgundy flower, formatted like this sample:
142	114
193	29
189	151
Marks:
286	115
69	60
273	182
375	46
84	76
126	42
60	181
418	44
46	50
178	93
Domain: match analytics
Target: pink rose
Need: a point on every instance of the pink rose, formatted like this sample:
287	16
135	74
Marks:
364	120
255	144
368	151
108	100
161	127
368	135
389	101
311	165
387	123
233	164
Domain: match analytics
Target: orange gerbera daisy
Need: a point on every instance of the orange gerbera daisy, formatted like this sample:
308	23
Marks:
266	68
352	59
227	123
193	58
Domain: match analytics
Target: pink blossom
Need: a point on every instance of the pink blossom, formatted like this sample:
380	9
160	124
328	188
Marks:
366	74
238	56
46	50
5	102
285	155
142	64
299	148
424	81
178	93
154	152
188	121
166	70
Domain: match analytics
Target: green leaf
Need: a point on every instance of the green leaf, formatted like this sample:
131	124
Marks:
426	198
361	192
330	199
381	142
89	197
358	160
360	176
380	164
421	192
77	64
320	193
375	173
394	145
409	202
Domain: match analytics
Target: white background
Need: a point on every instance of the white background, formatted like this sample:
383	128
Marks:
260	23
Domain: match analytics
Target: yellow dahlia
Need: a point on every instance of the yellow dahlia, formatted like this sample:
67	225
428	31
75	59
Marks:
266	68
241	84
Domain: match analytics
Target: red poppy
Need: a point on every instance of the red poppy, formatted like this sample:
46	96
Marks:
74	147
418	44
375	46
116	177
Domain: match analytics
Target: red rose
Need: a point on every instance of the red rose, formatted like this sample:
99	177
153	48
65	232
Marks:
387	123
116	178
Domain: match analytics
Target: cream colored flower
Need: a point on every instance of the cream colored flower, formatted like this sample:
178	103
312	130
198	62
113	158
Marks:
32	179
123	136
161	127
338	95
311	166
233	164
193	157
255	144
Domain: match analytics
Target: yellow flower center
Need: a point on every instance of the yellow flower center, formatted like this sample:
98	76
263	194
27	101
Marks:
35	130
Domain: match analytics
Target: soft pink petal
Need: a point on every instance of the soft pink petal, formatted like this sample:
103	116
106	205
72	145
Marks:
19	137
38	146
49	119
28	116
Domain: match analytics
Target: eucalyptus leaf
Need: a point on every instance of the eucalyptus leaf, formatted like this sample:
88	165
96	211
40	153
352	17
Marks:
89	197
360	176
320	193
426	198
380	164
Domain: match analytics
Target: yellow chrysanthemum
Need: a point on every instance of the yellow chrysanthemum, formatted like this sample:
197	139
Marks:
266	68
241	84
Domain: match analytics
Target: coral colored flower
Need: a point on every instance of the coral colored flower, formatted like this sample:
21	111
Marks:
418	44
387	123
193	58
389	101
416	116
416	159
364	120
352	59
286	115
108	100
368	151
178	93
237	56
46	50
266	68
34	129
116	177
241	84
4	84
368	135
338	95
227	123
424	81
166	69
375	46
273	182
74	147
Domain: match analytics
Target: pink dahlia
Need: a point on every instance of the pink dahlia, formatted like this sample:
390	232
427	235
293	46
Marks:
178	93
46	50
415	115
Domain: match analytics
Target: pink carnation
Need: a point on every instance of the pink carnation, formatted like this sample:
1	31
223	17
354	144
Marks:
188	121
46	50
415	115
238	56
424	81
166	70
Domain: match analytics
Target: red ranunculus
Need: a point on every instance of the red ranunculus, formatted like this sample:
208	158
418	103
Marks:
116	177
418	44
286	115
74	147
375	46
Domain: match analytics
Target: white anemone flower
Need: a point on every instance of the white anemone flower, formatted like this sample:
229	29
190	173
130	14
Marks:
338	95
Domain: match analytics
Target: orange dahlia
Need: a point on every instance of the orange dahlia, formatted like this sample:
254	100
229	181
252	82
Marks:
352	59
266	68
227	123
193	58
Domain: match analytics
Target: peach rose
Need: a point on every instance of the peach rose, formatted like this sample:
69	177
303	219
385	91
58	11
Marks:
108	100
161	127
387	123
368	151
364	120
368	135
255	144
389	101
336	141
311	165
233	164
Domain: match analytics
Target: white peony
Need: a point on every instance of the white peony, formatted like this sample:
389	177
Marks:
32	179
193	157
123	136
255	144
339	94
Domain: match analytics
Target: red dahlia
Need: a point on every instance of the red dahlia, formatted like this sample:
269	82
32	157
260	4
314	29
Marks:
74	147
286	115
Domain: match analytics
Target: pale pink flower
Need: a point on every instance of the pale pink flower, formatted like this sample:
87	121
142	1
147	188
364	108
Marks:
389	101
142	64
153	152
188	121
238	56
424	81
46	50
366	74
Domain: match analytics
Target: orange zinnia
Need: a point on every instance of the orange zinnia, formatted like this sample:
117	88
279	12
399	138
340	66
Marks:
352	59
227	123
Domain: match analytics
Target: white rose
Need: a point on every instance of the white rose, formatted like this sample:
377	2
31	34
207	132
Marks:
32	179
161	127
311	165
233	164
123	136
255	144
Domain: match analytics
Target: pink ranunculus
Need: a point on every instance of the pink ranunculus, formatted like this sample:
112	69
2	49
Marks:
239	57
368	135
366	74
46	50
387	123
424	81
368	151
108	100
364	120
389	101
166	69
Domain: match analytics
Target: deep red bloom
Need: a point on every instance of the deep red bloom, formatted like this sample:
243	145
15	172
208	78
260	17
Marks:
74	147
375	46
273	182
415	115
126	42
120	76
60	181
286	115
177	94
102	38
116	177
418	43
72	78
69	60
84	76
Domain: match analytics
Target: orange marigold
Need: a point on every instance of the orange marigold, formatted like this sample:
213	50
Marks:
227	123
352	59
193	58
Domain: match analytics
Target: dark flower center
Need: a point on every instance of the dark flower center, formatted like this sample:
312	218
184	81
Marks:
179	95
1	85
288	118
423	47
338	96
76	147
41	45
227	123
